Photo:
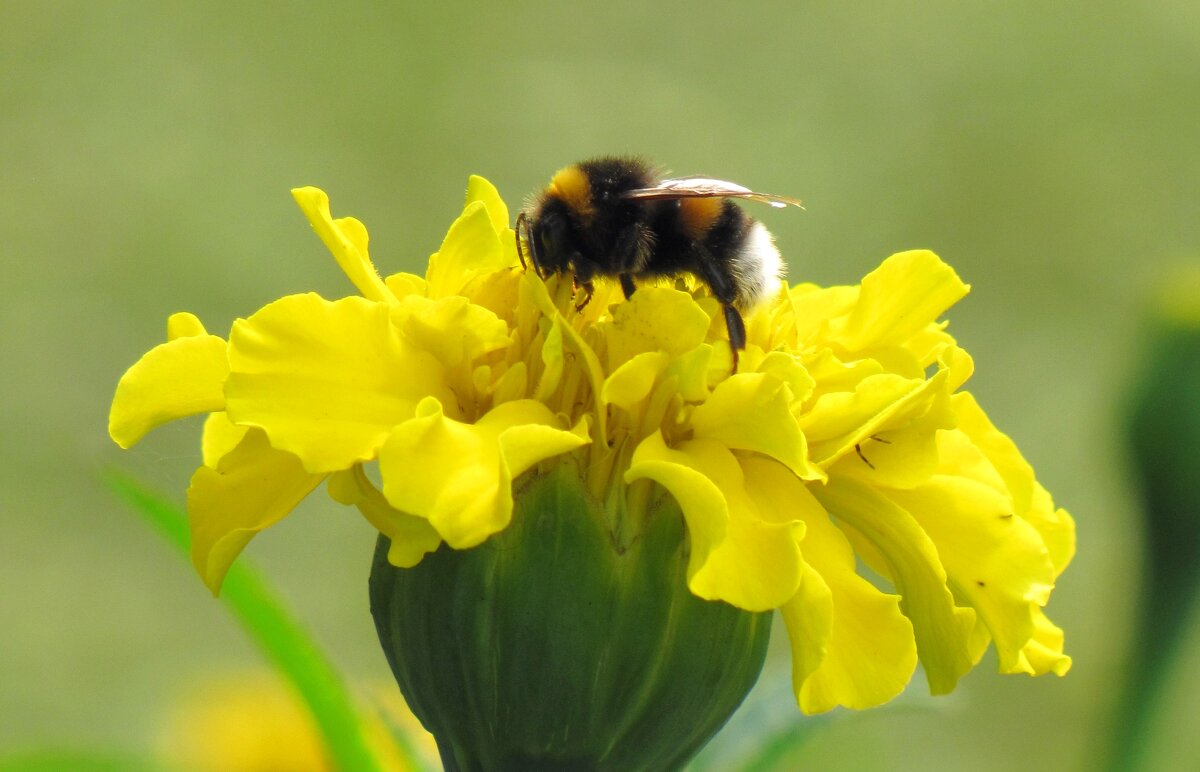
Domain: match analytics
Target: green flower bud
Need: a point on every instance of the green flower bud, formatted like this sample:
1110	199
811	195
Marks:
1162	437
547	647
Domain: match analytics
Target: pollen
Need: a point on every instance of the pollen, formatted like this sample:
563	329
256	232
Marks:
571	185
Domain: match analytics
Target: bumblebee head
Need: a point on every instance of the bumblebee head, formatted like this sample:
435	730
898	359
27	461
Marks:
547	238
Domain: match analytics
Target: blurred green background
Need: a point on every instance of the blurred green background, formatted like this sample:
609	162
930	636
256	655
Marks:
1050	152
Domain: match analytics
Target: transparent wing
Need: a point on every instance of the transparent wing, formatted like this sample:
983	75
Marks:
706	187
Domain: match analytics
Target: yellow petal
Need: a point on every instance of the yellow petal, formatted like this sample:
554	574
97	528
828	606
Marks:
252	488
831	375
327	381
942	629
553	361
592	372
752	411
959	363
412	538
219	437
479	189
404	284
837	418
184	325
179	378
497	291
691	371
839	423
815	306
453	329
631	383
346	238
788	368
1030	500
703	506
994	561
904	451
471	248
459	476
808	618
744	549
908	291
851	645
997	448
1044	652
1055	525
513	384
655	319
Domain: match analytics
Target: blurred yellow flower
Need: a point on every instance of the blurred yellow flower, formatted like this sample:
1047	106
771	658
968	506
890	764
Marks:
250	723
844	439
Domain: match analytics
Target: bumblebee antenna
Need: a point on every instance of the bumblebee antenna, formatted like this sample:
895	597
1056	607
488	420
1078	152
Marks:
517	233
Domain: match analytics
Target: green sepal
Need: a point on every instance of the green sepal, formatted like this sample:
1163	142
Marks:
543	648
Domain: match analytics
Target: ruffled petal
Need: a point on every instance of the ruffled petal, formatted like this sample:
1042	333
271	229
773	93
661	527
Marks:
1044	652
1056	526
459	476
655	319
840	423
184	325
631	383
404	284
1029	499
412	537
994	562
813	307
182	377
738	555
899	298
219	437
453	329
904	452
253	487
479	189
471	248
703	506
851	645
346	238
788	368
327	381
942	629
752	411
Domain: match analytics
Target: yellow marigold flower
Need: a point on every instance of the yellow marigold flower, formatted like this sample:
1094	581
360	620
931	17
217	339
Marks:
844	438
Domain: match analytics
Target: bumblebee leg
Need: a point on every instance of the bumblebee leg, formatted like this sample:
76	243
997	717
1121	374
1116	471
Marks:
724	290
627	285
588	288
737	331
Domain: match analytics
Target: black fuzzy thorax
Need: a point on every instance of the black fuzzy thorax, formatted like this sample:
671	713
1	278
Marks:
609	180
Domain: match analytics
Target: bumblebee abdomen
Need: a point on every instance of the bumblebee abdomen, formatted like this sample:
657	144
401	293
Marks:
757	266
697	216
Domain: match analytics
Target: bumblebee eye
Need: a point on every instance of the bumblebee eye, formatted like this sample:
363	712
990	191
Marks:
549	237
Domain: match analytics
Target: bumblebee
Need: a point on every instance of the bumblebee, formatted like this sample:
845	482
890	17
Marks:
616	217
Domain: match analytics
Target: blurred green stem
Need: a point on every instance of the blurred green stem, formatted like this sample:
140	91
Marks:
284	642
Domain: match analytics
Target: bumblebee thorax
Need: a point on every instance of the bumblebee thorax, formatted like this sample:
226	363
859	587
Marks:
571	186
